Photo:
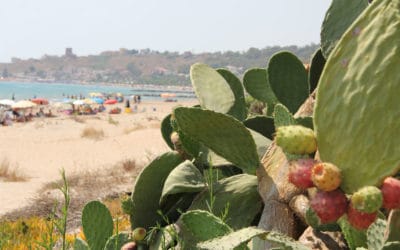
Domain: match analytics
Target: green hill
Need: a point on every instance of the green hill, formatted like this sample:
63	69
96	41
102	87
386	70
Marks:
138	66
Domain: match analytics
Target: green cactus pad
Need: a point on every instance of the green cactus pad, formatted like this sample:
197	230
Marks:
261	124
165	238
117	241
233	240
212	90
288	79
338	18
317	65
221	133
238	109
305	121
80	244
256	83
375	235
393	228
354	237
199	225
166	130
185	178
394	245
367	199
97	224
282	116
285	241
151	181
240	193
357	112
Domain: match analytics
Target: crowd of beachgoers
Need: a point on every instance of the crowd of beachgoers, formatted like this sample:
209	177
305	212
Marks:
12	110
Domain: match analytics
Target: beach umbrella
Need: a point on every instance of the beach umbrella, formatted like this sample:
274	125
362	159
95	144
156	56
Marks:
24	104
40	101
89	101
98	100
110	101
7	102
78	102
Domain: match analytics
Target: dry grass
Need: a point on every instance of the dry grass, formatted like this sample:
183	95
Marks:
9	174
135	127
112	121
129	165
98	184
78	119
92	133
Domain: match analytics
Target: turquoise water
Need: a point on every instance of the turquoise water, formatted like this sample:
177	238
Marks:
57	91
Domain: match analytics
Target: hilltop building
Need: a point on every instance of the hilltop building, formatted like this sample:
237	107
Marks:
69	53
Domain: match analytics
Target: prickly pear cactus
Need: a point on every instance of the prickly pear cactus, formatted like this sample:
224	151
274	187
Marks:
338	18
97	224
211	88
288	80
238	110
357	112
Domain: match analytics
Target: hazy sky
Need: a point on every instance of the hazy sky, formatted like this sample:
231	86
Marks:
32	28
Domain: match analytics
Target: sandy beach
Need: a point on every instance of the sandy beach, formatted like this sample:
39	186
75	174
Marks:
41	147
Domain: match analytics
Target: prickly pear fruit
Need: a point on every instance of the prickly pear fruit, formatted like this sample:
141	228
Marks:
360	220
314	221
329	206
326	176
296	139
129	246
300	173
138	234
367	199
391	193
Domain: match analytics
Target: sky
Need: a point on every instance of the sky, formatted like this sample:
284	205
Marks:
33	28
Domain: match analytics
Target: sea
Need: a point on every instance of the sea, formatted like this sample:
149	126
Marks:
58	91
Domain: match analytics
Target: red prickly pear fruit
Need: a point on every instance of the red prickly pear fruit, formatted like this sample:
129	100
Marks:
129	246
296	139
391	193
360	220
138	234
329	206
326	176
300	173
367	199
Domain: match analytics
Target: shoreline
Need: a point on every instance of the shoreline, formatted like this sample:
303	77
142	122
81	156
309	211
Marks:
135	85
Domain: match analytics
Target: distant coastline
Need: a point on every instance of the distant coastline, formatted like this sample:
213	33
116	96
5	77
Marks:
108	84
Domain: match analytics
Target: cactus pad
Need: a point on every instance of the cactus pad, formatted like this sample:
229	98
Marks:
212	90
357	112
238	110
97	224
185	178
151	181
223	134
239	193
288	79
256	83
338	18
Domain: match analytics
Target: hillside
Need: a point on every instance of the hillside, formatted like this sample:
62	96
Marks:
138	66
